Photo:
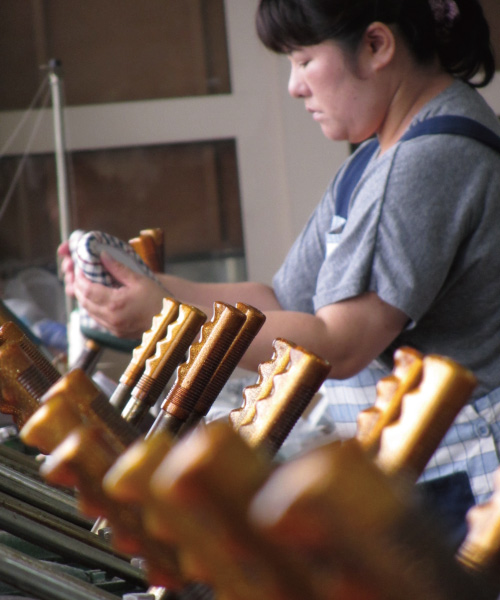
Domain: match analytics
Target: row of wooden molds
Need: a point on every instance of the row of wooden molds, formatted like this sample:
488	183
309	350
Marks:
85	402
340	522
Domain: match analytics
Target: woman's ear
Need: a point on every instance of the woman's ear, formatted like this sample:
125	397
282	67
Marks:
380	45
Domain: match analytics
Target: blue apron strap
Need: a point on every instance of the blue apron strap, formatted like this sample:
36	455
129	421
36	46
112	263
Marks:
448	124
351	176
455	125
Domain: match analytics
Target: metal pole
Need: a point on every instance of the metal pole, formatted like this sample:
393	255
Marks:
60	150
43	580
69	548
54	67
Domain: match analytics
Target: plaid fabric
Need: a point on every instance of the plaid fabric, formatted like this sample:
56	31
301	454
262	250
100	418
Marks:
471	444
85	248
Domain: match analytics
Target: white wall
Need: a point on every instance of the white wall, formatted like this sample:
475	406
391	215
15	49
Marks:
492	93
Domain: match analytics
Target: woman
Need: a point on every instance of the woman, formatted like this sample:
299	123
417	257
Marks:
411	257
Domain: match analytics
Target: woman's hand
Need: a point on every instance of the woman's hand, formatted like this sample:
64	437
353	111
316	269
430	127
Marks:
126	311
67	268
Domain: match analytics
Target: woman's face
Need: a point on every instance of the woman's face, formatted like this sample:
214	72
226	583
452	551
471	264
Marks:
337	90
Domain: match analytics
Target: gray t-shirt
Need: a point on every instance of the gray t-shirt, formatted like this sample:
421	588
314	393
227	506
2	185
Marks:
422	234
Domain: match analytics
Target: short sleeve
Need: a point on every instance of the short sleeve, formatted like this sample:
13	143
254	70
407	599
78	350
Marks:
295	282
410	215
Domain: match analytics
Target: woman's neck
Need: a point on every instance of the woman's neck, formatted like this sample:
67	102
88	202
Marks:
410	96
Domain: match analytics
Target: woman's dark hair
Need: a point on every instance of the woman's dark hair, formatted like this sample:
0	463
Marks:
462	44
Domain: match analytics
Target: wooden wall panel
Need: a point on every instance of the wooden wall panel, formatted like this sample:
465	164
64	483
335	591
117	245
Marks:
19	72
30	225
114	50
190	190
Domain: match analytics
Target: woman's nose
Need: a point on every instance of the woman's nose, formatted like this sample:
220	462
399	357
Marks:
296	86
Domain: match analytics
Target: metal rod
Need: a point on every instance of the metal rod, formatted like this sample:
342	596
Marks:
59	140
43	496
67	546
44	581
58	524
60	155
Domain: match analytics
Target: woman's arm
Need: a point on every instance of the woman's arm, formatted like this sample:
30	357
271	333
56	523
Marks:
206	294
127	311
349	334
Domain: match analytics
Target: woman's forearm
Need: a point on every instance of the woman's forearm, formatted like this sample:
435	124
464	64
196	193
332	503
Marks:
201	295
